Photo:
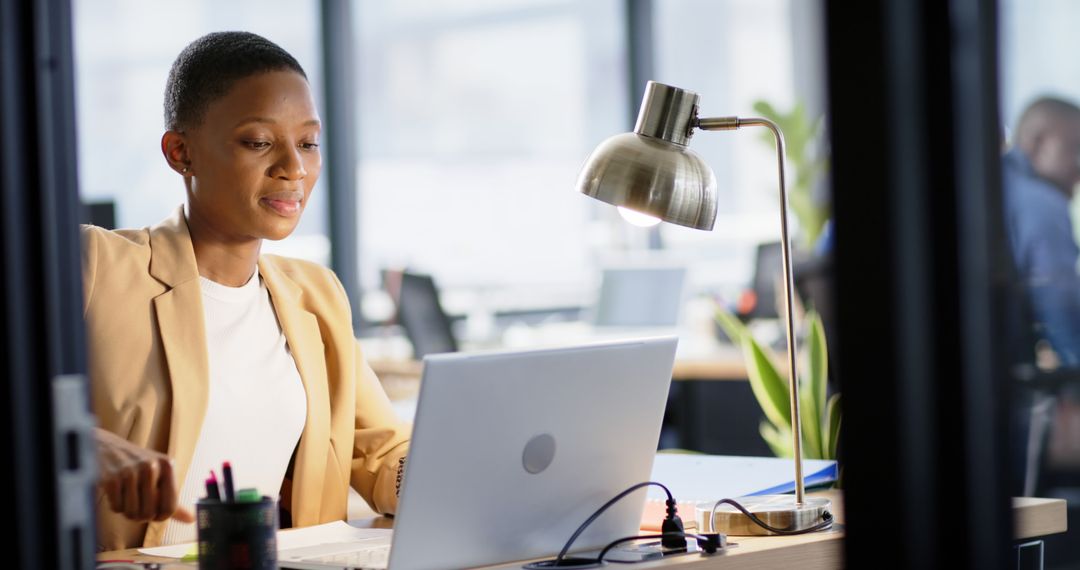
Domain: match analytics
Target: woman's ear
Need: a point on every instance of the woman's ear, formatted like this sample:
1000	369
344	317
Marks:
174	147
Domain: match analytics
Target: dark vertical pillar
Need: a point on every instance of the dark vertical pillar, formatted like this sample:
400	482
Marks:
912	95
340	137
48	471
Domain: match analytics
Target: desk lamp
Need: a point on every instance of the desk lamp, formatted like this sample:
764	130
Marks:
652	172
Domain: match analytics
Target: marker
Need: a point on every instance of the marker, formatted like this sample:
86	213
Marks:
212	491
227	473
248	496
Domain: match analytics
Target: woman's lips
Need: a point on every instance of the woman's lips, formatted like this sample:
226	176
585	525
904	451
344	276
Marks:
283	207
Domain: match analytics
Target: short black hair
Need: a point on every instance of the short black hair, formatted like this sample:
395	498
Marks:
1049	105
210	65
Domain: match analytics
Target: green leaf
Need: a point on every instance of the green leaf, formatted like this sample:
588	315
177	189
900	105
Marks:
765	109
806	154
779	440
770	390
734	328
811	424
817	374
832	425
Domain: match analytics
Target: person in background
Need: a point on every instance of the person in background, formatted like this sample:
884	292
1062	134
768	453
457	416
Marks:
1039	174
202	350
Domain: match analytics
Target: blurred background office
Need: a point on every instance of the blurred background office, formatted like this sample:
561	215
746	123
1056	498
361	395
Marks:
470	121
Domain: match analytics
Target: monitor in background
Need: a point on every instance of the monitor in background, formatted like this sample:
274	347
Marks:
101	214
420	313
640	297
768	267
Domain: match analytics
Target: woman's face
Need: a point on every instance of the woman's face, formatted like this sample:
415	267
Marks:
255	158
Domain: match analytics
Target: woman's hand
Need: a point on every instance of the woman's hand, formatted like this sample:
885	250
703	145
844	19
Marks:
139	482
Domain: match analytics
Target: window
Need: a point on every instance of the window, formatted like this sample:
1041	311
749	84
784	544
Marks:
474	120
733	54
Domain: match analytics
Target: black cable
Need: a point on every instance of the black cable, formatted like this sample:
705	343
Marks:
709	544
617	498
827	520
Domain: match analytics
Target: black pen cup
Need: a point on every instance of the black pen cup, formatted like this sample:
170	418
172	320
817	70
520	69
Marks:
237	535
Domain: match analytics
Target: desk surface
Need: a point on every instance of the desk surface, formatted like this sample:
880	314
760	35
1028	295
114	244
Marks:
1034	517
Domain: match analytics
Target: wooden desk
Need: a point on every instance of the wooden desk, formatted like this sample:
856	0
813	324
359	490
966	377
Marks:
1034	518
401	378
699	357
724	365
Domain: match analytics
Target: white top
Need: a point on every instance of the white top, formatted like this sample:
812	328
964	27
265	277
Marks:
257	405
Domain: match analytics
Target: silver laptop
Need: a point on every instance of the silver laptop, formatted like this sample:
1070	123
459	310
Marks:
511	451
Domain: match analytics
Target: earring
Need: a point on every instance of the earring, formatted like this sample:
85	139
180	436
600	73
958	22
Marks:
184	170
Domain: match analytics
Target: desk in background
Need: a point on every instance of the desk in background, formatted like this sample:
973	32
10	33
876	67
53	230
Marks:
1034	517
706	359
710	376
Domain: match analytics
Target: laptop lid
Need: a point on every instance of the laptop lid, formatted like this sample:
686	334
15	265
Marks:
512	451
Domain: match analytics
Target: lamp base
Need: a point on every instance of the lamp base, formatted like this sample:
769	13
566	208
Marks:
777	511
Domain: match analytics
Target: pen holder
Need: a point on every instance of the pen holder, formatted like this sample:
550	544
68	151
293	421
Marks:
237	535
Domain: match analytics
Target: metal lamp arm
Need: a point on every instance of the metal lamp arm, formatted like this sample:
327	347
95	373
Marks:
732	123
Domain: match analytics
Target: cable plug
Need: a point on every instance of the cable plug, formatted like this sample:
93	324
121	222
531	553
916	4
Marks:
710	542
672	528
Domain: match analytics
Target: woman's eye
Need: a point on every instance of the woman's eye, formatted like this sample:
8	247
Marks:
309	146
257	145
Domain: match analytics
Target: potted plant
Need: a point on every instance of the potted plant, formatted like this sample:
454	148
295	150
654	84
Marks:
820	413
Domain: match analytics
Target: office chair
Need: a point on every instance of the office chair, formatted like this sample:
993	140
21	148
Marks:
815	284
420	313
767	270
1035	390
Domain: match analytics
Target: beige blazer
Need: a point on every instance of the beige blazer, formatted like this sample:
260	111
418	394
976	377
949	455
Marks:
148	373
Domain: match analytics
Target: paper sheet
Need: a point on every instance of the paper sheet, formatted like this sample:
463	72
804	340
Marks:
337	531
699	478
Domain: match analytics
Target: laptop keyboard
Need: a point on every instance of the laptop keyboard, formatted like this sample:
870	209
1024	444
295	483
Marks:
373	553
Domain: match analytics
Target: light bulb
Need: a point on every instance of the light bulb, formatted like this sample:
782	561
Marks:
637	218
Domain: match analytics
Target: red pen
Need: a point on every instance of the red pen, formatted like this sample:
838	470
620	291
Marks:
212	491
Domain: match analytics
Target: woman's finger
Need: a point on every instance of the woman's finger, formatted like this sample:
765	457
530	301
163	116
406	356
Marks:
130	481
113	492
168	496
148	490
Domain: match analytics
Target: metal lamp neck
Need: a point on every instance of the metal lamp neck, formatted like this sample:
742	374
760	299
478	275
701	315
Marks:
667	113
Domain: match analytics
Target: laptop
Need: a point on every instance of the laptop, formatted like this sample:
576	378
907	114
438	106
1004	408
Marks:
512	451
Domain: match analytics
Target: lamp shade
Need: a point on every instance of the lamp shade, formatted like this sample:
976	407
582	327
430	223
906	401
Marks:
651	170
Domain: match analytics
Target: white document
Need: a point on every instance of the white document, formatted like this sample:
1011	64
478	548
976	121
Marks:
288	539
700	478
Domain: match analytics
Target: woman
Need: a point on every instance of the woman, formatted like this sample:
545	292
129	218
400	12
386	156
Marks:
203	350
